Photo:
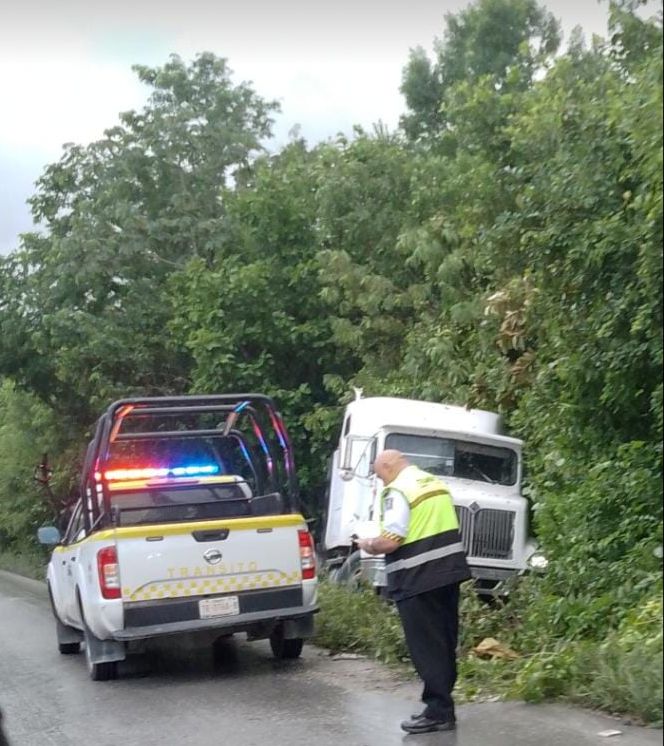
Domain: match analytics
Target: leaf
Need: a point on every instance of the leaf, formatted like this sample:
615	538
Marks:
491	648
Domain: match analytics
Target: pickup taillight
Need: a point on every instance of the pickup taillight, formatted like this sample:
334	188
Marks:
307	555
109	572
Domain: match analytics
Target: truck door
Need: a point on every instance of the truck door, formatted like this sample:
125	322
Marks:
66	566
356	473
337	525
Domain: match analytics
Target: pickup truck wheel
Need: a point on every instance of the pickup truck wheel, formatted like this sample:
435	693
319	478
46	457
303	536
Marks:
350	572
224	653
283	649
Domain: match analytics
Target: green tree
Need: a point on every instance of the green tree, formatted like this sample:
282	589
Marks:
28	429
253	319
507	41
370	293
86	303
556	243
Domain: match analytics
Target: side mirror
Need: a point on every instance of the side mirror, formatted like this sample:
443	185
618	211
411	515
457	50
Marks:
358	457
48	535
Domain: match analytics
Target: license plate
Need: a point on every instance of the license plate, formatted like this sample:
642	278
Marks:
212	607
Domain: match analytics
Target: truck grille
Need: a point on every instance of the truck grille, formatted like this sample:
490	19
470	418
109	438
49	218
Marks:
487	533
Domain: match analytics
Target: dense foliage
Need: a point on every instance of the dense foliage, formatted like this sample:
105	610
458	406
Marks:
503	249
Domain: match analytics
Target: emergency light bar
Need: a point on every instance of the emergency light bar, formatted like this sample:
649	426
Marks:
123	475
169	482
250	420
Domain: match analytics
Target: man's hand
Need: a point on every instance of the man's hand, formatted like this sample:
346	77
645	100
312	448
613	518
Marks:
378	545
365	545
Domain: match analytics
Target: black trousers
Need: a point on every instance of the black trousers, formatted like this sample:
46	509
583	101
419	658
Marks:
431	625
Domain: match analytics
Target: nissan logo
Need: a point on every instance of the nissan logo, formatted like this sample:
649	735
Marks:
212	556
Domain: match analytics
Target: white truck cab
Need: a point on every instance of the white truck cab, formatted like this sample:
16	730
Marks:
465	447
187	523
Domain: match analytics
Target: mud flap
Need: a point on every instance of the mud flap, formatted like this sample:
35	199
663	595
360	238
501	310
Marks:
104	651
301	627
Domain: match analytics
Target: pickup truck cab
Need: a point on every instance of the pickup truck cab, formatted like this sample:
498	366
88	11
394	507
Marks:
187	523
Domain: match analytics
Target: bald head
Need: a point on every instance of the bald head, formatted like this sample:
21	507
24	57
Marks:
389	464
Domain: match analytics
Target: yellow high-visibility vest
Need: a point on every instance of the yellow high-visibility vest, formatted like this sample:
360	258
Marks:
432	553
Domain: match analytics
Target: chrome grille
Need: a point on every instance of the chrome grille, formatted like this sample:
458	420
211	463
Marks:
487	533
465	527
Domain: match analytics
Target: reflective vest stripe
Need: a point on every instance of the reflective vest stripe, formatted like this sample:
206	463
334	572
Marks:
420	546
427	495
420	559
427	516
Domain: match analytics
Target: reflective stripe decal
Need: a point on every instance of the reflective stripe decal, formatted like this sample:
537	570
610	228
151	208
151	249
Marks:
392	536
427	495
200	586
420	559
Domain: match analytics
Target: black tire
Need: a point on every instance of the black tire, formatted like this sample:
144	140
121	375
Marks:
350	572
103	671
69	648
283	649
224	653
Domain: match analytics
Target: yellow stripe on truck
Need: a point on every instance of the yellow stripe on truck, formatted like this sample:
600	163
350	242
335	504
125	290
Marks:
204	586
177	529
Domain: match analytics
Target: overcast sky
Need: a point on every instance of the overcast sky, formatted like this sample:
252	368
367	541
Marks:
65	66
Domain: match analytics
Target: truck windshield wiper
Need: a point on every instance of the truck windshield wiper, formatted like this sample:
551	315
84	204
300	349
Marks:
482	474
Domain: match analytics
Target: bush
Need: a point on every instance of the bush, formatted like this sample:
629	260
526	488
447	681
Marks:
359	622
622	673
29	564
622	680
28	428
601	526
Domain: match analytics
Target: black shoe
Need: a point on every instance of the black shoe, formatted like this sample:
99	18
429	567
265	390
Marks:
423	724
423	714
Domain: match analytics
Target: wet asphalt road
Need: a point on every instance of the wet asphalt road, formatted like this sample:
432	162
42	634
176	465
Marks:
245	699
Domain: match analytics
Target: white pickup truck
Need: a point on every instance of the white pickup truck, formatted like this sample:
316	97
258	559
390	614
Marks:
188	522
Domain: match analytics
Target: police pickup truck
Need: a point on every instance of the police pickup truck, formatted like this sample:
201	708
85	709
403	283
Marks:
187	522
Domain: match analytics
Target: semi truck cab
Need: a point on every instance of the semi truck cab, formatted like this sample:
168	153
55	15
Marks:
467	448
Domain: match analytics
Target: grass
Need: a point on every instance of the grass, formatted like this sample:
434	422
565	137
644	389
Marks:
359	622
28	565
614	675
621	674
624	681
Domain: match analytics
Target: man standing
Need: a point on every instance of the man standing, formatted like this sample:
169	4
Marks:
425	564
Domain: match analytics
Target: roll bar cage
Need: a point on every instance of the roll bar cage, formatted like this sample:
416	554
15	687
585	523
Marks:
252	420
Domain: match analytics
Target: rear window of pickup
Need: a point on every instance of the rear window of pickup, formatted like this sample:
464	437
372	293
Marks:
192	503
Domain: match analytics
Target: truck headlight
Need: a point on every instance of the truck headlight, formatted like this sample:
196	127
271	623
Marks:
538	561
